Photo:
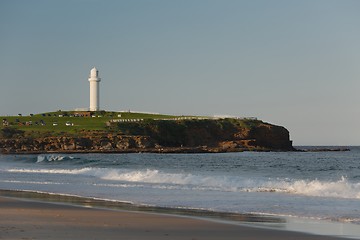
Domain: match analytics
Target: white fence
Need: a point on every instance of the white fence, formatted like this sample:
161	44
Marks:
175	119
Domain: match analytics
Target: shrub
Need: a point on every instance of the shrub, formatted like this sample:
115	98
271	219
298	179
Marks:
11	132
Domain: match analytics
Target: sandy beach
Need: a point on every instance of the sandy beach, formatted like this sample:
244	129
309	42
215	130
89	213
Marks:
28	219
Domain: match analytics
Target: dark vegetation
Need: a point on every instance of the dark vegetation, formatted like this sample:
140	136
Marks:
10	132
194	132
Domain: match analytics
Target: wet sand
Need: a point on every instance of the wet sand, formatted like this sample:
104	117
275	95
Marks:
29	219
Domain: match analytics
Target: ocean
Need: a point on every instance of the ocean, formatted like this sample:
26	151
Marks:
309	187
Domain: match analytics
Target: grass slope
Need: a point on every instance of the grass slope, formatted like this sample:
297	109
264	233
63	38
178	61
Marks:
60	118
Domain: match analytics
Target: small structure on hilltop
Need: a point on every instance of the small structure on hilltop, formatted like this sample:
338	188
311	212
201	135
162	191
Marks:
5	122
82	114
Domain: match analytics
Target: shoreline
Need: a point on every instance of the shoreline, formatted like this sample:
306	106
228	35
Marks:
176	150
277	227
168	150
128	206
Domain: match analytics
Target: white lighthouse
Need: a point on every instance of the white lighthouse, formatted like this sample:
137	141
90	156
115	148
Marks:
94	89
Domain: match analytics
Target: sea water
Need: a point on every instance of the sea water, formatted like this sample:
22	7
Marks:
312	186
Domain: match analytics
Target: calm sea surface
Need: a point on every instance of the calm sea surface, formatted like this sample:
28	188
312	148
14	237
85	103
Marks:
308	185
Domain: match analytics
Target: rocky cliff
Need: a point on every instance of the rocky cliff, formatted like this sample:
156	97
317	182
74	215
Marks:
226	135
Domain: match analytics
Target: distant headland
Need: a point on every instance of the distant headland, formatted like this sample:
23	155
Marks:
122	132
92	130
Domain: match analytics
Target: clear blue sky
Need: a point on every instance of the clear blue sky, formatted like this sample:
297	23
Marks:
291	63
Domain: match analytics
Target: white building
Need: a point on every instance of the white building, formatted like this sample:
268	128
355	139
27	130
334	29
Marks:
94	90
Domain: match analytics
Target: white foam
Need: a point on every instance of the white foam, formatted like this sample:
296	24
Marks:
341	188
50	171
33	182
52	158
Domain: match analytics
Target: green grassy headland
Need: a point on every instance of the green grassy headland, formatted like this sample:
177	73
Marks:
32	132
55	122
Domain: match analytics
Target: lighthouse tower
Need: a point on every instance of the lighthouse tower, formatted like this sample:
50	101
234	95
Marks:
94	89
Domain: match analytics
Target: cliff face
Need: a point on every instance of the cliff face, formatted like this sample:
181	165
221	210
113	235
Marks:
270	136
74	144
161	136
224	133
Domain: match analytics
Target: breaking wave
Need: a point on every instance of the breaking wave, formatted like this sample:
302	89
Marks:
52	158
341	188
